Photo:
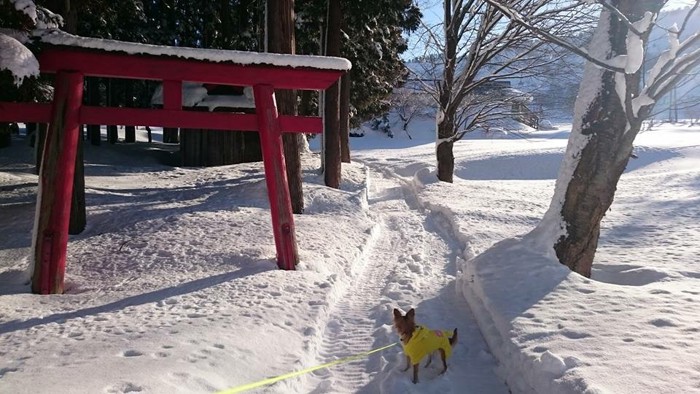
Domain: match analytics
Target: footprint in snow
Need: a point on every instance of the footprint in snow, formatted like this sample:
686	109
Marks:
124	388
132	353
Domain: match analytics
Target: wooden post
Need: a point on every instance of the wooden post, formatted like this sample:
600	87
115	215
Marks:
276	177
56	185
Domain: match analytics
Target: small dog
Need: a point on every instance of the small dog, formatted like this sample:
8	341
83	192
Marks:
418	342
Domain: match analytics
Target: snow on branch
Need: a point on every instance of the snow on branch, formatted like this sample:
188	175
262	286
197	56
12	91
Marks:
17	59
687	17
521	20
673	63
636	28
26	7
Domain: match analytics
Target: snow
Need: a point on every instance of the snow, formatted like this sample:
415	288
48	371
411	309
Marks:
57	37
666	56
173	286
27	7
552	226
195	95
635	52
16	58
192	94
634	59
640	101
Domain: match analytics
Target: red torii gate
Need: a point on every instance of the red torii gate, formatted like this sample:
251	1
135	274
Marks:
72	58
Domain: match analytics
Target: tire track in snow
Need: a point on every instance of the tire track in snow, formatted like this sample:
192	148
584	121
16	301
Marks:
412	260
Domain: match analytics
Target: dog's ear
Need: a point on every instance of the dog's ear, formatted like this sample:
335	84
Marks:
397	314
411	314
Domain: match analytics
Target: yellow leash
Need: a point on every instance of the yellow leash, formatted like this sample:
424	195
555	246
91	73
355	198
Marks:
265	382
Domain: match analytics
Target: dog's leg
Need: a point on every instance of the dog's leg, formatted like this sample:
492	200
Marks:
444	361
415	372
408	364
430	360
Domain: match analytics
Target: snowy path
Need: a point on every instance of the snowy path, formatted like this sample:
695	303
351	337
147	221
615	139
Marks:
411	261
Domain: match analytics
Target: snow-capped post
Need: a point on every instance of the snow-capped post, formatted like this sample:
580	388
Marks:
276	176
56	185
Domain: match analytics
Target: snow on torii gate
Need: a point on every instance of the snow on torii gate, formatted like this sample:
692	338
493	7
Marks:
72	58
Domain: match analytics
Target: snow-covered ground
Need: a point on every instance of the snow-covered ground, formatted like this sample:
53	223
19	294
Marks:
173	286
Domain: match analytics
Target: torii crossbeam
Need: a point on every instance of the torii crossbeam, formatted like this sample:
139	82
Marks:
72	58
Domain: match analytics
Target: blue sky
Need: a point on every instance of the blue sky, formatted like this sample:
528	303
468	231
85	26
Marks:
432	14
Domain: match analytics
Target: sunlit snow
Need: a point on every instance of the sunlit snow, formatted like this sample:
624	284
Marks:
172	288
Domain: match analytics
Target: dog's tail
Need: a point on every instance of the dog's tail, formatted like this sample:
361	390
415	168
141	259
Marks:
453	340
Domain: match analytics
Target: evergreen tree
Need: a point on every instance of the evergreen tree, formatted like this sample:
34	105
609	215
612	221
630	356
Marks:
372	39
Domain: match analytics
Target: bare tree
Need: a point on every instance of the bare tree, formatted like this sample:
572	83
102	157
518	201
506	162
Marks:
609	111
479	47
409	104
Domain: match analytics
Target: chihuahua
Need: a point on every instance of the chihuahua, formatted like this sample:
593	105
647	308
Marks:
418	342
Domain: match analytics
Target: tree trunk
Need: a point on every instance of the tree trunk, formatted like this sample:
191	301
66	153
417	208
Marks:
591	188
280	36
609	126
93	98
446	128
78	214
170	135
445	155
5	135
31	134
345	118
331	136
112	130
129	131
41	131
112	134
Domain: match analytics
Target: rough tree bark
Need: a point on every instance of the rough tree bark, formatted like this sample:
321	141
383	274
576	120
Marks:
345	118
78	213
610	126
444	152
280	36
448	107
331	136
129	131
93	98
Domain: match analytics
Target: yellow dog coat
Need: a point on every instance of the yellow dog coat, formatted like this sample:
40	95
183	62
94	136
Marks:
425	341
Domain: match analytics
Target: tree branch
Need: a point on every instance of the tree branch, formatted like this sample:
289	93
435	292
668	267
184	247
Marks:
620	16
687	17
517	18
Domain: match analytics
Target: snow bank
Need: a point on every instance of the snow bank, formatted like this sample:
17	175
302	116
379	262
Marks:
554	331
